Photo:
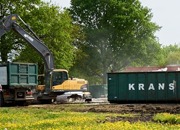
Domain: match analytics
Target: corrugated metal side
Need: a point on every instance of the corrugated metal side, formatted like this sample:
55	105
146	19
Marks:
144	87
22	74
112	87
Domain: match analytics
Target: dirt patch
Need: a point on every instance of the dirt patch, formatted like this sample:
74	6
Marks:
115	108
131	108
142	112
143	118
145	112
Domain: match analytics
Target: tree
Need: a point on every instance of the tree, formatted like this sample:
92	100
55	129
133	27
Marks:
173	58
10	42
53	26
169	49
171	54
118	33
154	56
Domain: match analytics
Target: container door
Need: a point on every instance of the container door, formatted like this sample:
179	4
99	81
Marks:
3	77
112	87
22	74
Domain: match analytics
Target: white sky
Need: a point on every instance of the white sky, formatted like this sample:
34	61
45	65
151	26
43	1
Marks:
165	14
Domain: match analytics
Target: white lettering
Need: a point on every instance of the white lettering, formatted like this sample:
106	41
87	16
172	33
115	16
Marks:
131	87
161	86
151	87
171	86
27	36
141	86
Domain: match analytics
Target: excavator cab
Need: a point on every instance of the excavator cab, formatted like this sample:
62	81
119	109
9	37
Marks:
52	78
58	77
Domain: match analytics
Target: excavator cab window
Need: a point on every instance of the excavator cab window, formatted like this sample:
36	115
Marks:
59	77
47	79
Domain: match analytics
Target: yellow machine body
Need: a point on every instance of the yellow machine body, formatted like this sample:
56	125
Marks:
60	81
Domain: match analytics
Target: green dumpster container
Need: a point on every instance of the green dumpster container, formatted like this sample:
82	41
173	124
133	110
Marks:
144	87
18	74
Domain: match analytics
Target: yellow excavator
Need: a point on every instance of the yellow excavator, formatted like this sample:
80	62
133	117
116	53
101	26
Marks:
57	81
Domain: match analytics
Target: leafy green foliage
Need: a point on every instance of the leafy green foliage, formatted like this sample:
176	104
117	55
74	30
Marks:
118	33
173	58
54	27
10	42
171	55
50	23
154	56
169	49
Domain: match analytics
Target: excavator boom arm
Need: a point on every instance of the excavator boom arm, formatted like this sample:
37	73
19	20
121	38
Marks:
9	22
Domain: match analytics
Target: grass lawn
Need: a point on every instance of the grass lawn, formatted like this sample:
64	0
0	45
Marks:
20	118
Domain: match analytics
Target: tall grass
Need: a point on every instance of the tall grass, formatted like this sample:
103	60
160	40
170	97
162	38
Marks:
51	119
167	118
